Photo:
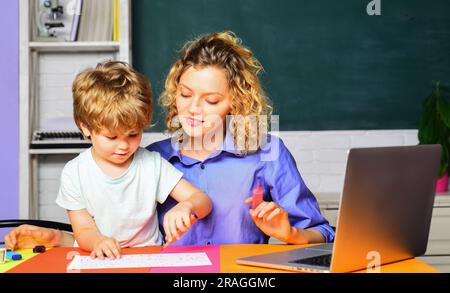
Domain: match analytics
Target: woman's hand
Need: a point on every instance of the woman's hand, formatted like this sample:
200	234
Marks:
28	236
177	221
271	219
106	246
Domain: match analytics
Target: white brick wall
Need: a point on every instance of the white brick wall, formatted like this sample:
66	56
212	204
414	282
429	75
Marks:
56	74
320	155
49	172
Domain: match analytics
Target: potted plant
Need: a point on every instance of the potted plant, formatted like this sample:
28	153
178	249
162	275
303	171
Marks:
434	127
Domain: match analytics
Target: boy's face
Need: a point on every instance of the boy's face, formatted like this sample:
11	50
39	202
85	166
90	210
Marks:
114	148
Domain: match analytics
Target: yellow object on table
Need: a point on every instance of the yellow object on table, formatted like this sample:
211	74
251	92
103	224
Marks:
9	264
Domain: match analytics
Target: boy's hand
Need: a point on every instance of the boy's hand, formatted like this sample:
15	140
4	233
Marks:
106	246
271	219
28	236
177	221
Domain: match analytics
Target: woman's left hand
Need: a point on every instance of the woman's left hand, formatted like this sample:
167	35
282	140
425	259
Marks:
271	219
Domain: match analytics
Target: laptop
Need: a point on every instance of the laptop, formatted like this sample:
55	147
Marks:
384	213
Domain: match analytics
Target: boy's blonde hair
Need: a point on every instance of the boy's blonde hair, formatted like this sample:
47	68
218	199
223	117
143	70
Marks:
223	50
112	96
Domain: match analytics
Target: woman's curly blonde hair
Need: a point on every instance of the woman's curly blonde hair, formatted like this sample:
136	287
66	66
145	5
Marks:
249	102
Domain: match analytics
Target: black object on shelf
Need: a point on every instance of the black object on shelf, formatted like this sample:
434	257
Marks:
58	140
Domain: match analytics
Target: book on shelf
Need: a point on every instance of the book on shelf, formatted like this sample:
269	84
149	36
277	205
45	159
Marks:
76	20
116	20
96	23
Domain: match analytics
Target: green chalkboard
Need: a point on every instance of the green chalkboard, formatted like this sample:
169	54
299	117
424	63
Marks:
328	64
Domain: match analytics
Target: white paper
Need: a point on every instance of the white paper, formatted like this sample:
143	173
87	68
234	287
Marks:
142	261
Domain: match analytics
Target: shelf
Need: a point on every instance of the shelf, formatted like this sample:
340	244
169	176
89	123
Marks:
55	151
74	46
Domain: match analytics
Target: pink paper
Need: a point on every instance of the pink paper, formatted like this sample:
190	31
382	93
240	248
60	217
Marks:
213	252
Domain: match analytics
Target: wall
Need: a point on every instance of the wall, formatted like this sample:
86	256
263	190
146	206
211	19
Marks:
9	112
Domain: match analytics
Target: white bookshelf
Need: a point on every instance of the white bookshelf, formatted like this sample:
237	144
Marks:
35	103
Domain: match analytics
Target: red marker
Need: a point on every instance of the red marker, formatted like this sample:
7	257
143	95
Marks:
257	196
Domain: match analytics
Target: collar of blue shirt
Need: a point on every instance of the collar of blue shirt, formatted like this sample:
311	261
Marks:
227	146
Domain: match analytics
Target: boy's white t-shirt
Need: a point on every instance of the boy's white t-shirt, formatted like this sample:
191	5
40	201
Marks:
124	207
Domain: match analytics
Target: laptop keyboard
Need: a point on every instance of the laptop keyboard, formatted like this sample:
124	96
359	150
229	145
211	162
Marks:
321	260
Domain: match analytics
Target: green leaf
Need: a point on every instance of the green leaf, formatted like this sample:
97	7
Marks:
434	125
443	165
429	122
443	108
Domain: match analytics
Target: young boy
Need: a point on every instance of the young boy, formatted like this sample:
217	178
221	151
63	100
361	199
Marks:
111	190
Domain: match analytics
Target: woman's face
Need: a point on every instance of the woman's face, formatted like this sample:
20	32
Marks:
203	101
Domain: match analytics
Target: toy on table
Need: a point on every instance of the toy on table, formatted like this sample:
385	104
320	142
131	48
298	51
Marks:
39	249
11	255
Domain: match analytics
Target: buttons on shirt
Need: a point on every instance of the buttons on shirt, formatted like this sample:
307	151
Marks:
202	166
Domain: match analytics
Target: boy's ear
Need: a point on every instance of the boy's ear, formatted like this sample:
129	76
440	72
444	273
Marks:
85	130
